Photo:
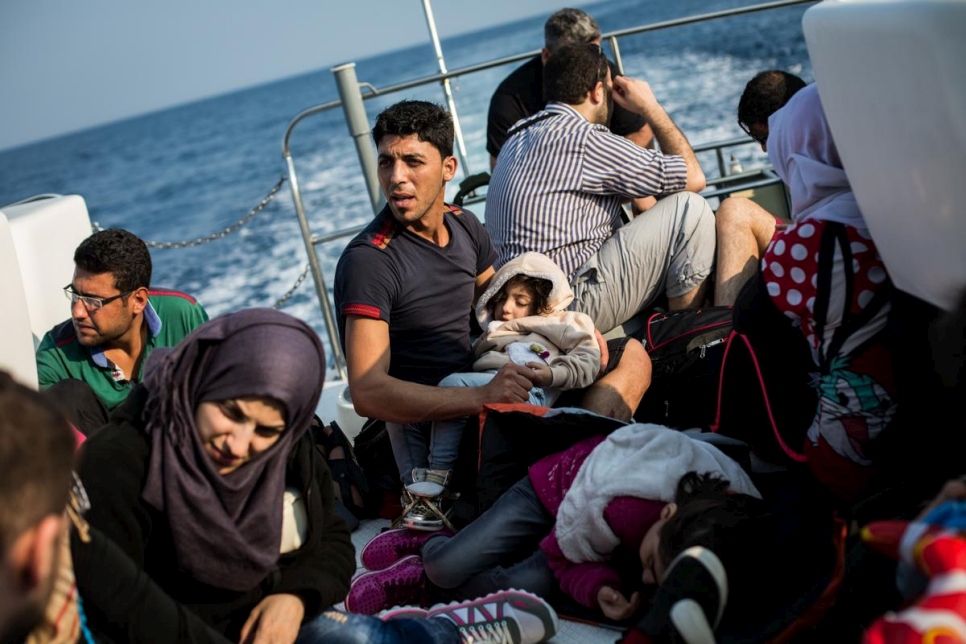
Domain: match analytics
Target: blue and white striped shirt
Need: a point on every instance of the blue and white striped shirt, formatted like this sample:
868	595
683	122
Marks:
558	185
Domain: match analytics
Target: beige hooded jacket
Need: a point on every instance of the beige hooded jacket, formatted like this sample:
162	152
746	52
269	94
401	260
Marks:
566	338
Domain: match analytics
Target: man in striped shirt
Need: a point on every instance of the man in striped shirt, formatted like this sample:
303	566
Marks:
561	177
520	94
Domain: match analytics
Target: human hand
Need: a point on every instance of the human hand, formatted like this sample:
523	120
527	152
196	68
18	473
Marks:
542	376
634	95
275	620
615	606
511	384
954	489
604	353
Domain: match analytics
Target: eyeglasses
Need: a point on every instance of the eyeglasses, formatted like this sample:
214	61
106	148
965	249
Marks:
761	138
91	303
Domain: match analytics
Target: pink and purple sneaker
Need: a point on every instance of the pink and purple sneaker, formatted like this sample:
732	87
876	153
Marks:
401	584
387	548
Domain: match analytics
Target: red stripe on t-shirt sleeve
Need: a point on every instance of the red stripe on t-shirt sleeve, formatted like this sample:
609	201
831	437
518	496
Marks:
364	310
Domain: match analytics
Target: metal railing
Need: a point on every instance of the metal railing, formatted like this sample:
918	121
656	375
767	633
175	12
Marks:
351	100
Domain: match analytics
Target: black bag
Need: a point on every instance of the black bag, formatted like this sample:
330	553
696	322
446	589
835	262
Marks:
373	452
743	372
685	348
765	396
346	471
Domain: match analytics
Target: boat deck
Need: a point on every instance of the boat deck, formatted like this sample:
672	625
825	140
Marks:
571	632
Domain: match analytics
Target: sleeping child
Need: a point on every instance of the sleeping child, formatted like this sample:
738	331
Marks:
600	521
524	320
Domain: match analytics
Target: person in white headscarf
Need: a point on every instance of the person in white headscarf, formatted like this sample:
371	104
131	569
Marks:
825	274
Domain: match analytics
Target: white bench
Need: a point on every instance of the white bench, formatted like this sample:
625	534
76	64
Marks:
37	241
890	74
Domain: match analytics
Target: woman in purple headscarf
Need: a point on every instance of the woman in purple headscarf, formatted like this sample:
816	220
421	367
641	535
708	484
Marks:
189	476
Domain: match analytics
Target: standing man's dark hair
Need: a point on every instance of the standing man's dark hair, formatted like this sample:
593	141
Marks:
428	121
118	252
764	95
36	452
569	26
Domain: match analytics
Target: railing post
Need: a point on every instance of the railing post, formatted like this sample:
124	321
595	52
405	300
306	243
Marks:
338	358
447	90
358	122
616	53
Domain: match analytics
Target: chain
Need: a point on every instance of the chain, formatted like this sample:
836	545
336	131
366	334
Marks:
282	300
218	235
227	231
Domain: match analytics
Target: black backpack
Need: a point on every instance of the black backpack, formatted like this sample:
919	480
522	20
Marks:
713	369
685	348
373	451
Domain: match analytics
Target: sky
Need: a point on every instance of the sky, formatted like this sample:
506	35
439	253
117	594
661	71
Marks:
66	65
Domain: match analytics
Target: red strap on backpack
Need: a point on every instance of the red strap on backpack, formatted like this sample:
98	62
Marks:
791	453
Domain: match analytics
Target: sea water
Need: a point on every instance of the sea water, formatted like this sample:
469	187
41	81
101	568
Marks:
189	171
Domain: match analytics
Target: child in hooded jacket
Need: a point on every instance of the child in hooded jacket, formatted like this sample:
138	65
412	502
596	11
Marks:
524	317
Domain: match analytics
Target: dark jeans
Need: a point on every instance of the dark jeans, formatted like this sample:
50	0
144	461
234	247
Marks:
499	550
336	627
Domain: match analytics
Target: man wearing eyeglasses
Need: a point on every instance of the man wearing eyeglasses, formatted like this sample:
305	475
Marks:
764	95
744	229
94	359
520	94
561	178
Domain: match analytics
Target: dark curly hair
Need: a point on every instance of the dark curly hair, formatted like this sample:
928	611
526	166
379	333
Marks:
428	121
118	252
709	515
572	72
538	287
738	528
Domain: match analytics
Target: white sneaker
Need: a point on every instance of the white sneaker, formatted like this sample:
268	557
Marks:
504	617
431	483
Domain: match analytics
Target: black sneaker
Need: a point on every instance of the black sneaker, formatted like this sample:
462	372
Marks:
690	601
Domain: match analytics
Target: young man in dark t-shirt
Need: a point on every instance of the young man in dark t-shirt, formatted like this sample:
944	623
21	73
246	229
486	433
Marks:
405	287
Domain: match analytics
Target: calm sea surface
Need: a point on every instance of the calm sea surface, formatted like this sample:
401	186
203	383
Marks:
190	171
